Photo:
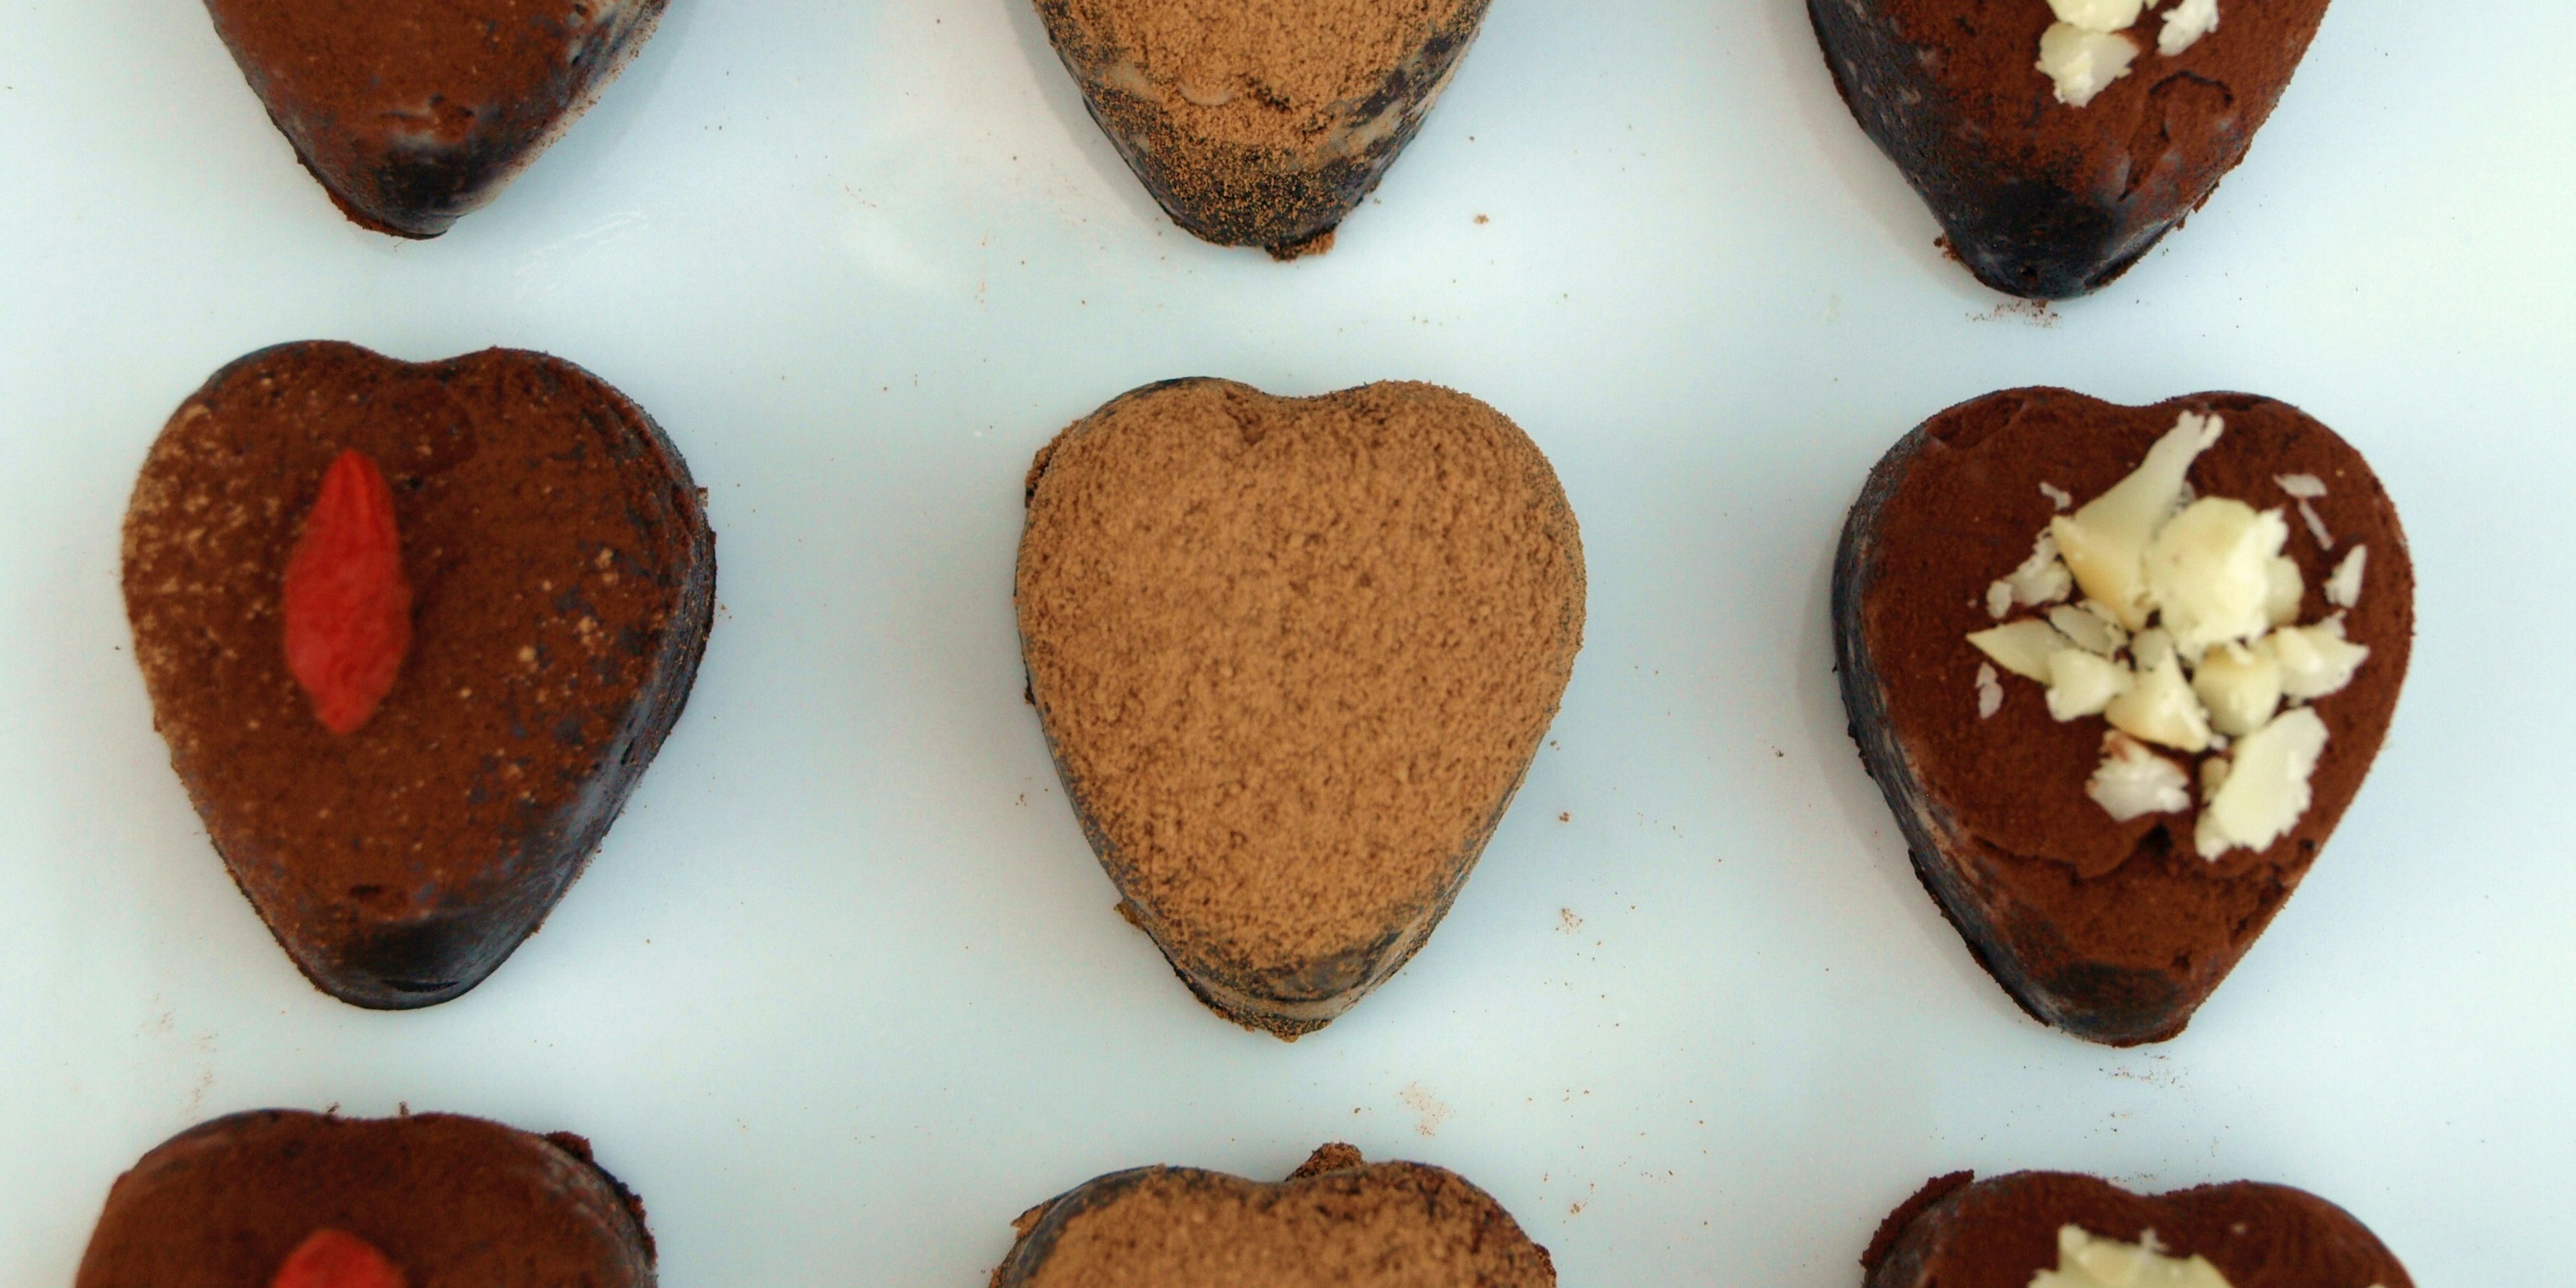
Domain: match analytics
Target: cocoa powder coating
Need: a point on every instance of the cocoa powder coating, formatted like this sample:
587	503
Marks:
2040	198
1999	1233
455	1202
1294	656
563	578
2114	930
1337	1222
412	113
1263	124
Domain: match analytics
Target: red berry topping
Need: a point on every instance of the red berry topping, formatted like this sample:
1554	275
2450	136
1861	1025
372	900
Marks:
337	1259
348	606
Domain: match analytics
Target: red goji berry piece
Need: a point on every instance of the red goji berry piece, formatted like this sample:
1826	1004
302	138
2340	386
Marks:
347	604
336	1259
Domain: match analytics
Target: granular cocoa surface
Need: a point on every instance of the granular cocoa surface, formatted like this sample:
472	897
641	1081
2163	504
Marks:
413	112
563	578
1999	1233
1295	654
1337	1223
1270	73
455	1202
2061	878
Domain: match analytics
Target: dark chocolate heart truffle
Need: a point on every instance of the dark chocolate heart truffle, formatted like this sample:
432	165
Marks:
1337	1222
2111	839
1959	1232
438	1199
1293	657
2056	153
413	113
560	579
1261	125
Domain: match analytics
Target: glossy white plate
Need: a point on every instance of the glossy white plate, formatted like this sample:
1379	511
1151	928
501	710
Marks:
843	992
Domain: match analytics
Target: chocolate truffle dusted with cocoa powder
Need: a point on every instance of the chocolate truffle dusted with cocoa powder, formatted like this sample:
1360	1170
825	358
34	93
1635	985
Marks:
2114	928
1293	656
2041	196
413	633
412	113
278	1198
1337	1222
1959	1232
1261	125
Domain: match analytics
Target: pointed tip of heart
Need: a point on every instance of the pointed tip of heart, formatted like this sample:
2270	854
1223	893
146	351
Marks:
1270	132
2113	928
411	117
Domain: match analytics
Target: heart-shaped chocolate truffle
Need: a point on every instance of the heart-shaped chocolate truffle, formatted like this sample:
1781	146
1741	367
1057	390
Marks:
1293	656
2058	140
278	1198
1337	1222
1959	1232
2111	838
1261	125
550	556
413	113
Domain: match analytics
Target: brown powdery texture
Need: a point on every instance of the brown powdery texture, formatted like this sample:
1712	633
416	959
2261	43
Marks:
413	113
1293	657
1261	124
564	580
455	1202
1958	1232
2038	198
2114	931
1337	1222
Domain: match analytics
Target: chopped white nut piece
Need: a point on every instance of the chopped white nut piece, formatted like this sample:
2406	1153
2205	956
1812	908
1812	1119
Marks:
2105	543
2240	686
2081	62
2090	626
2185	24
2343	586
2057	496
2134	781
2042	578
2266	787
2209	572
2304	487
2098	15
2316	524
2213	775
2281	605
2151	648
2315	660
2081	684
2088	1261
1999	599
2161	708
2022	647
1990	692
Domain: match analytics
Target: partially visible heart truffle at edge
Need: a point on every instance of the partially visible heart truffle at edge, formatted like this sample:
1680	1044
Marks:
412	632
1293	657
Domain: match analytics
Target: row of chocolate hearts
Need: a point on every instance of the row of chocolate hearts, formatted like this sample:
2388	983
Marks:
1266	125
1293	658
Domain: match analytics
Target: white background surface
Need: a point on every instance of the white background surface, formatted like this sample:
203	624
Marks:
843	992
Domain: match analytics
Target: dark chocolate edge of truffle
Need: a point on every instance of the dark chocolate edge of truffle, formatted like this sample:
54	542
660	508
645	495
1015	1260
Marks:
1930	833
1341	981
2065	244
1294	213
660	699
423	191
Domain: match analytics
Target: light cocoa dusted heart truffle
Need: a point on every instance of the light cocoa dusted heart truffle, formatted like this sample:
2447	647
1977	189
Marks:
1261	125
1293	656
1336	1222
